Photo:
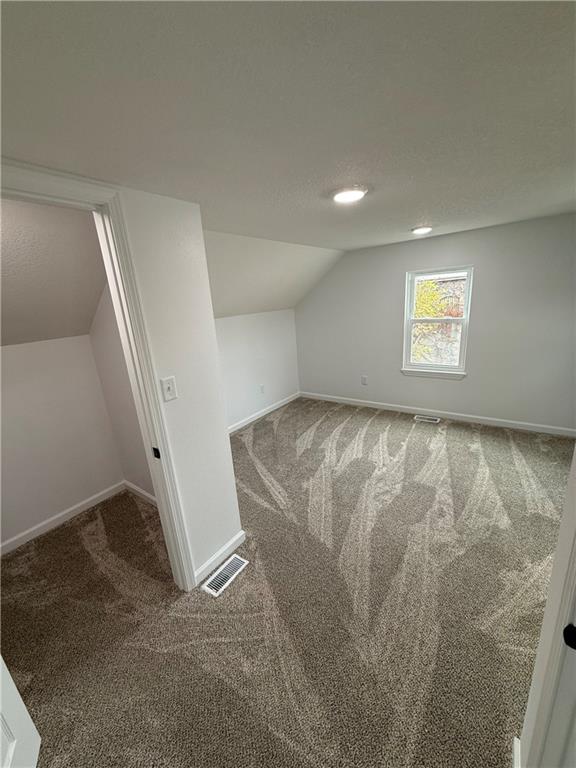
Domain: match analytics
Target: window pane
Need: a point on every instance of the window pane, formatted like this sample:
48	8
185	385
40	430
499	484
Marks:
439	296
436	343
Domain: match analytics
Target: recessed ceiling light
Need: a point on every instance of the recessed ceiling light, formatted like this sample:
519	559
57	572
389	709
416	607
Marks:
349	195
421	230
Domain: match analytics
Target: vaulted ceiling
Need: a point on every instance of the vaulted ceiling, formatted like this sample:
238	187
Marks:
52	272
249	275
455	114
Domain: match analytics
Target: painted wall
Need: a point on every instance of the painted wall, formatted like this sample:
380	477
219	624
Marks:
167	245
257	351
57	443
111	366
521	344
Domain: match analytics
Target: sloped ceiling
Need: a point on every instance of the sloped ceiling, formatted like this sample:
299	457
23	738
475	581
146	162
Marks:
52	272
248	274
455	114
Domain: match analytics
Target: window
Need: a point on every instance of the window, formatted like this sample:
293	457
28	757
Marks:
436	322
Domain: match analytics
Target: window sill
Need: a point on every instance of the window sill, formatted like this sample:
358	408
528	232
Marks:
434	373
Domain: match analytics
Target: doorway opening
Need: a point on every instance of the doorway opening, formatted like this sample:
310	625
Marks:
71	431
100	206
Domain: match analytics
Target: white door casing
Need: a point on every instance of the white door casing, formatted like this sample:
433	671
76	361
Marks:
19	738
23	182
194	489
549	730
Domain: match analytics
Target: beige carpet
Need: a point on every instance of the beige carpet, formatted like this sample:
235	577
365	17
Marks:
388	618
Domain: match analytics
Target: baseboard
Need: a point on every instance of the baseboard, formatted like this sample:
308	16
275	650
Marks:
68	514
59	518
139	492
218	557
53	522
516	761
507	424
258	415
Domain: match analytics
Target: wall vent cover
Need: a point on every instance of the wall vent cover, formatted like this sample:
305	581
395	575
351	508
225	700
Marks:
225	575
427	419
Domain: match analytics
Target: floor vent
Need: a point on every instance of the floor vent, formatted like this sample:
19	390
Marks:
225	575
427	419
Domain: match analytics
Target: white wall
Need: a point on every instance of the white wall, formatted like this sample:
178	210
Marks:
521	343
57	444
167	246
111	366
257	351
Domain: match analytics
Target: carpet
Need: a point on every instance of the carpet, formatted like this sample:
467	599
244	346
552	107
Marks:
388	618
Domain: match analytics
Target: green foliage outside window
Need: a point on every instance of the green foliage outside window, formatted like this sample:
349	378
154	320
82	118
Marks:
434	299
429	300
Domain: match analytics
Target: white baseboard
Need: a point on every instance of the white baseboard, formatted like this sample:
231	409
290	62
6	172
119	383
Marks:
249	419
218	557
139	492
59	518
516	760
68	514
490	421
53	522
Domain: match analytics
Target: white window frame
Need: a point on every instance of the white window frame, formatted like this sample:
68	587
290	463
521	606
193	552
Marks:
429	369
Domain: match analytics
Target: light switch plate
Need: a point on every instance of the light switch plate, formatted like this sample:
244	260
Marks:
169	388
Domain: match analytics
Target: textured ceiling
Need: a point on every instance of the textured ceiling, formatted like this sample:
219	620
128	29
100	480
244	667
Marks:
252	275
52	272
456	114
